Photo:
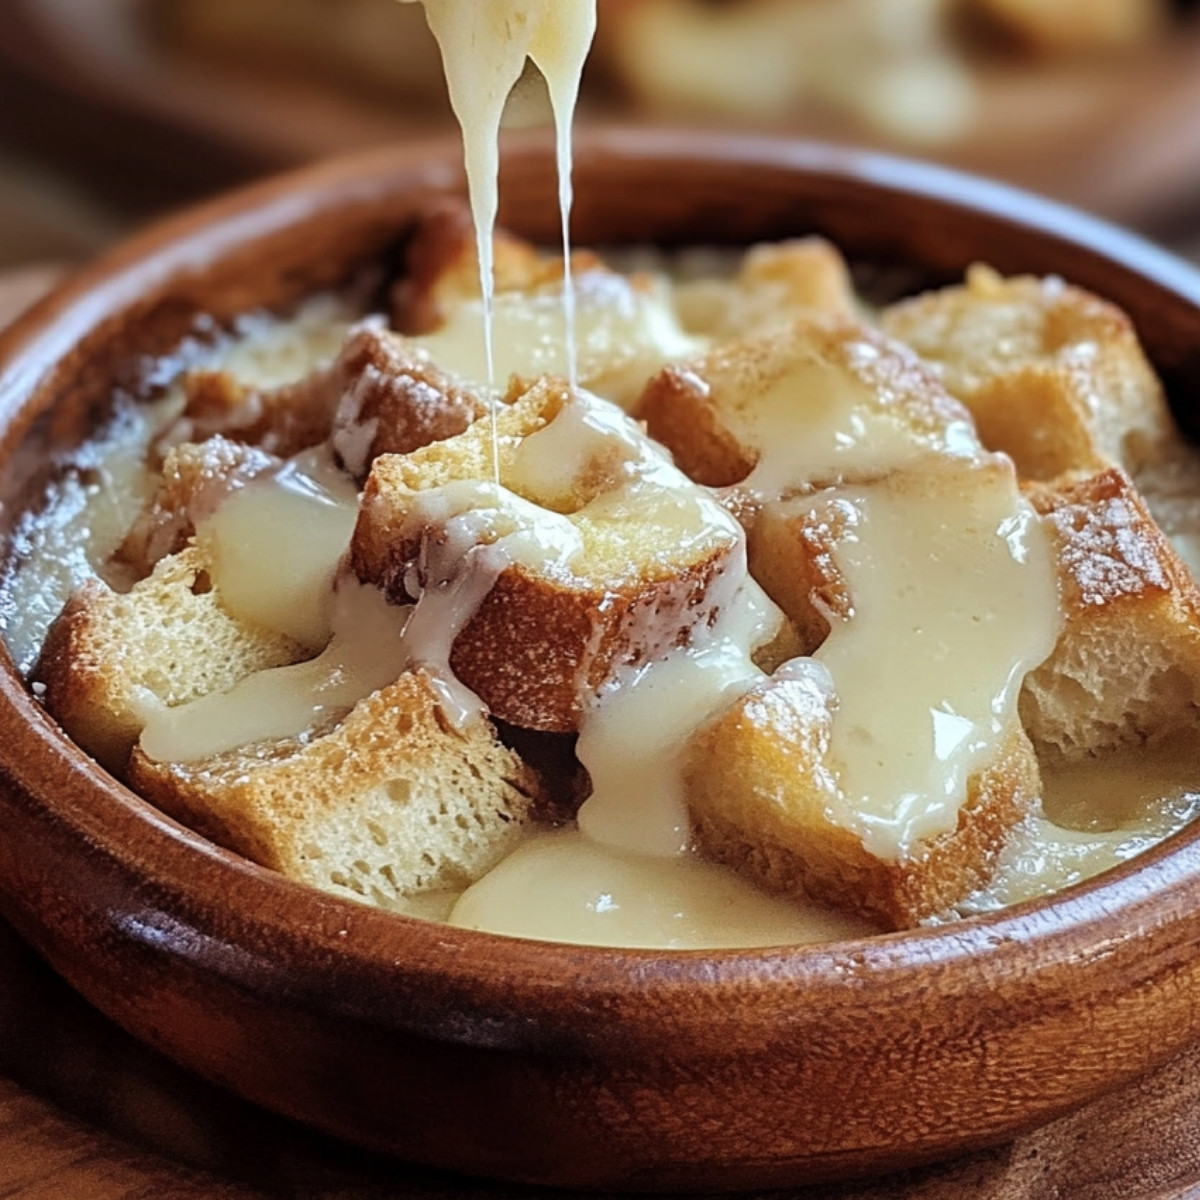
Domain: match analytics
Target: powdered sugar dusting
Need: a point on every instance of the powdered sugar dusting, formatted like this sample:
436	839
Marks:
1106	551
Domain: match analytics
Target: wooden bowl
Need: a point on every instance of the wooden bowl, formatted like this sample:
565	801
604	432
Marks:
557	1064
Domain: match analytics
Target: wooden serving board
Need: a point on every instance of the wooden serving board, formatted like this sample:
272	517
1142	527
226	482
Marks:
87	1113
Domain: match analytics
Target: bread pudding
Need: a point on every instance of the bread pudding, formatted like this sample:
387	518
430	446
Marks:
791	619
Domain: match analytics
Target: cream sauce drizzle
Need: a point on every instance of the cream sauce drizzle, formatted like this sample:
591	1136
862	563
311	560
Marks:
632	737
274	545
954	596
946	568
364	654
485	45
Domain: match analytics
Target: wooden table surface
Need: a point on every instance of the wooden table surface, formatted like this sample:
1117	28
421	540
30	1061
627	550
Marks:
88	1113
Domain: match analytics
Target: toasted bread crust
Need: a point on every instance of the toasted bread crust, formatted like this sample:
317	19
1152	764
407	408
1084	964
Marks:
792	557
379	395
542	638
1127	665
680	411
281	420
393	802
535	649
393	400
110	660
753	779
1054	376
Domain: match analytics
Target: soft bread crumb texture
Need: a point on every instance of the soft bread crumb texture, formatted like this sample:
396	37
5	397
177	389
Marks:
111	659
394	801
1126	669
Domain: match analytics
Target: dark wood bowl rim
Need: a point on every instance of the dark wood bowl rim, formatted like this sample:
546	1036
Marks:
278	931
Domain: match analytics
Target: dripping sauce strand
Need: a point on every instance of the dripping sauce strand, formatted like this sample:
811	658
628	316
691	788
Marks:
485	45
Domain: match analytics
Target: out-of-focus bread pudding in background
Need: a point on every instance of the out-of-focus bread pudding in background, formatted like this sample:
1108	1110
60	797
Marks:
911	70
1092	101
907	69
917	72
1003	86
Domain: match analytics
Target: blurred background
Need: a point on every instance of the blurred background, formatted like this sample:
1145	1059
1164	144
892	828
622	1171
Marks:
112	110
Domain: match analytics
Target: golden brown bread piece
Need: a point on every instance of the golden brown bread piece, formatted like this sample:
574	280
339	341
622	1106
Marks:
282	420
775	282
113	659
743	406
630	575
380	395
195	478
791	554
1054	376
1126	669
393	400
393	802
625	324
442	268
760	791
377	377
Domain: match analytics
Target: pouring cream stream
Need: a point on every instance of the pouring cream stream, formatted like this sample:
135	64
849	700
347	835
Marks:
485	45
